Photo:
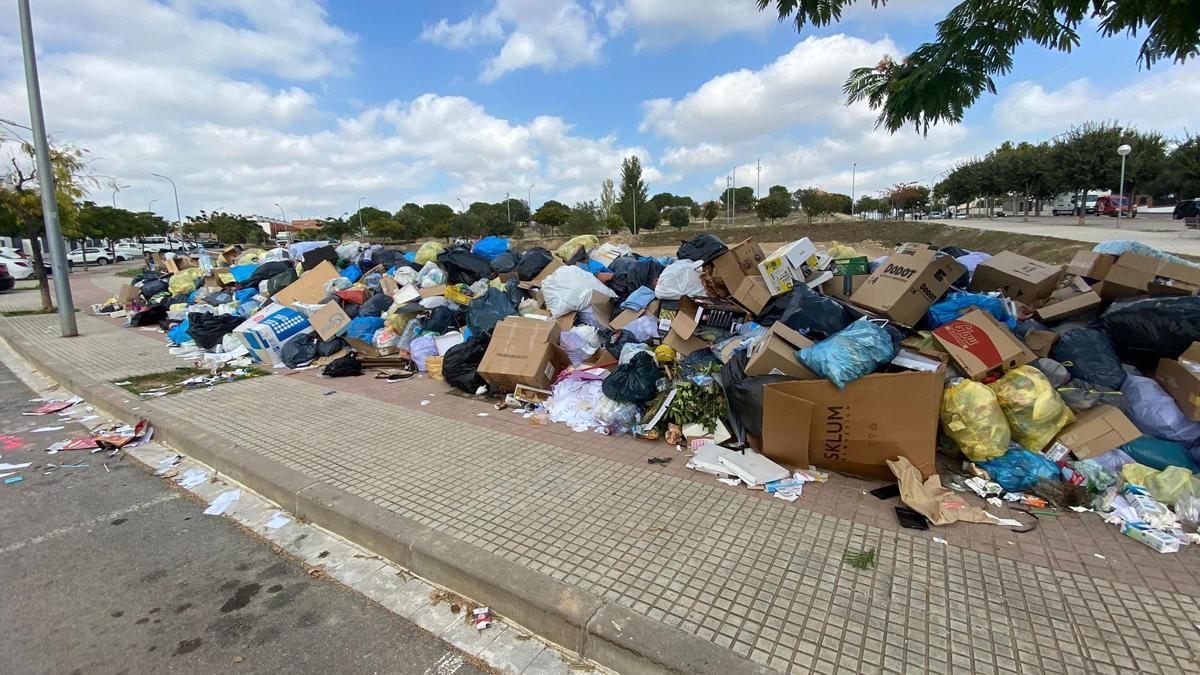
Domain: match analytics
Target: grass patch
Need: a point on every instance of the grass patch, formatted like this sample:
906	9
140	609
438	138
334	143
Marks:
30	312
169	382
129	273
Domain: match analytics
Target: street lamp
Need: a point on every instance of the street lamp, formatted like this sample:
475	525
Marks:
283	216
460	203
115	191
853	176
508	205
178	213
360	227
1123	151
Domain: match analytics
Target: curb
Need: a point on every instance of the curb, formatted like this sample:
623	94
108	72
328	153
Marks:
608	634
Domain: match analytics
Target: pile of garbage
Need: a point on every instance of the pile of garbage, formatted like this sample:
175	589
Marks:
1057	387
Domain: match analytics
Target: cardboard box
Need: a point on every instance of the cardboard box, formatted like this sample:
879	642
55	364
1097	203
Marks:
310	287
978	344
1175	279
371	351
857	429
1096	431
329	321
554	264
433	291
1073	306
267	329
739	262
1017	277
627	316
1130	275
1181	378
787	266
752	293
904	287
692	315
1091	265
1040	342
388	286
311	259
230	254
844	286
776	354
523	351
128	294
600	309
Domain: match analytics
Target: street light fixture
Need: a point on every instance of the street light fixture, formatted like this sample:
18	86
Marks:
1123	151
178	213
360	226
529	201
853	177
115	191
283	216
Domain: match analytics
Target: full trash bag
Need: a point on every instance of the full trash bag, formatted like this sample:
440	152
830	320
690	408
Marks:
743	395
179	334
569	289
487	310
364	327
460	366
299	351
616	417
429	252
421	348
855	351
184	281
584	242
1019	469
1147	330
680	278
281	281
208	329
265	271
580	343
504	263
376	305
346	366
703	247
1034	410
1154	412
957	303
633	275
490	247
972	418
1054	371
463	267
532	263
431	275
814	315
1159	454
1089	355
153	288
1080	395
441	320
1173	482
634	382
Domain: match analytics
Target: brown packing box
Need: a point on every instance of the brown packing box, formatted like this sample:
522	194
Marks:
836	287
310	287
229	254
329	321
1040	342
523	351
1181	378
857	429
628	315
601	311
1130	275
369	350
1096	431
1091	265
776	354
388	285
1175	279
433	291
911	280
128	294
682	335
739	262
1073	306
752	294
1016	276
978	344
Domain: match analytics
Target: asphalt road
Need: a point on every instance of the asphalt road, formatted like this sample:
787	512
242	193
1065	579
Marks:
114	571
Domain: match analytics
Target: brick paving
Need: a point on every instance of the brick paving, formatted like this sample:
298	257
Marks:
759	576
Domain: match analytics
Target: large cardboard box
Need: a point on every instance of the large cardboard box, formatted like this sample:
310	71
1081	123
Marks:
912	279
310	287
1091	265
1096	431
752	293
230	254
776	354
857	429
627	316
693	315
787	265
1181	378
128	294
1175	279
844	286
267	329
1017	277
978	344
329	321
1072	306
739	262
1130	275
525	351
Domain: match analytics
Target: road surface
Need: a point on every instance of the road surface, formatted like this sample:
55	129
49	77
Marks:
1157	230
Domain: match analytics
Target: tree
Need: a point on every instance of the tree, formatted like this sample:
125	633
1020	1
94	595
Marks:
584	218
1181	173
869	204
107	222
814	202
608	199
779	189
436	214
520	210
229	228
1024	169
695	211
679	217
774	205
909	197
711	211
633	206
666	200
1081	157
614	223
976	41
337	228
465	225
552	214
743	198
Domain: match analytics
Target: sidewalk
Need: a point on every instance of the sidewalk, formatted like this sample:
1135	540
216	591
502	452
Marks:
589	532
1165	235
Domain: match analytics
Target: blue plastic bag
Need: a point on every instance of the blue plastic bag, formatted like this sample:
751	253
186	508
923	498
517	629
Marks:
411	256
245	294
1159	454
958	302
242	272
490	247
352	272
364	327
1019	469
856	350
179	334
594	267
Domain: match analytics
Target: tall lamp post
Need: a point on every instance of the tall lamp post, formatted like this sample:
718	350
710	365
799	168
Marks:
1123	151
853	177
529	201
360	227
178	213
115	191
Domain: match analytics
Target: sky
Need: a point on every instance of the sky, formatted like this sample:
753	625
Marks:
254	106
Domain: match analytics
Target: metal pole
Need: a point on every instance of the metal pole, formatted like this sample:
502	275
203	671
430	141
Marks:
758	180
58	254
281	212
1122	197
529	202
360	227
178	213
853	176
733	196
508	205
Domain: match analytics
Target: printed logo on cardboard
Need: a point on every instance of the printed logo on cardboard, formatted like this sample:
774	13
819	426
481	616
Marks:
971	338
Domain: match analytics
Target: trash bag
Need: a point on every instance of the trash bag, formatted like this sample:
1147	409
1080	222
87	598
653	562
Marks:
812	314
569	289
1173	482
152	315
532	263
281	281
265	271
957	303
376	305
1080	395
460	365
1034	410
185	281
633	275
331	347
300	350
208	329
703	247
347	366
643	328
441	320
617	418
1137	474
857	350
504	263
1160	454
744	396
1147	330
584	242
179	334
680	278
1089	355
634	382
429	252
580	343
1154	412
364	327
431	275
463	267
1019	469
251	256
487	310
490	247
972	418
352	272
421	348
1053	370
388	257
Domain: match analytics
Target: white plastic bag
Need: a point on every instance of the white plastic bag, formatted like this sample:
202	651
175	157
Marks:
569	289
405	276
631	349
680	278
431	275
643	328
350	250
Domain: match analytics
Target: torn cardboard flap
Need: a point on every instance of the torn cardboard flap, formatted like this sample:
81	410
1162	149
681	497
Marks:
627	316
1175	279
310	287
1181	379
1072	306
751	293
1130	275
1097	430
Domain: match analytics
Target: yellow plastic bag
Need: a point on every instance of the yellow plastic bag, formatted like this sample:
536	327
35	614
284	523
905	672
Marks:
498	284
249	257
585	241
972	418
839	251
429	252
1138	474
185	281
1034	410
397	321
1173	482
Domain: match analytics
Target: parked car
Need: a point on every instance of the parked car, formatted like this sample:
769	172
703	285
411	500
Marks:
1000	213
1110	205
18	267
1186	208
89	256
127	251
158	244
6	280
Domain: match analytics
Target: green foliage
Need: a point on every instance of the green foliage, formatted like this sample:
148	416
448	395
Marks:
868	204
860	560
614	223
337	228
465	225
552	214
1181	173
632	205
779	189
228	228
817	202
584	218
774	205
664	200
436	214
711	211
697	404
909	197
679	217
608	199
743	198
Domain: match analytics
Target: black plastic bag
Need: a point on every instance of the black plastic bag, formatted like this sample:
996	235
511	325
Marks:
532	263
954	251
460	365
813	315
632	275
487	310
265	271
1090	356
464	267
299	351
150	316
388	257
331	347
145	277
505	262
376	305
153	288
633	382
515	293
441	320
351	309
218	298
615	340
281	281
703	247
1145	331
208	329
744	396
347	366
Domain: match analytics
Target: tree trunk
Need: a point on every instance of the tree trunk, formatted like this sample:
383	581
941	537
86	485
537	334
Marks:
39	267
1025	207
1082	205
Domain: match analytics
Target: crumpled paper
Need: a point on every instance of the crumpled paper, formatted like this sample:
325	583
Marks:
930	499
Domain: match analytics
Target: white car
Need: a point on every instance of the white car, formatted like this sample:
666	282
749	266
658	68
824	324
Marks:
130	251
95	256
18	267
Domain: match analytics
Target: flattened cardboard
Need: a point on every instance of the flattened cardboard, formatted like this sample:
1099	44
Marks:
315	257
1017	277
1073	306
739	262
908	283
1130	275
629	315
1096	431
1175	279
128	294
310	287
433	291
1091	265
978	344
1181	379
1040	342
752	294
856	430
329	321
525	351
776	354
388	285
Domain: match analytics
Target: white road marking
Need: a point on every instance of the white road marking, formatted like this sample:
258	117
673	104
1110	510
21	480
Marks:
54	534
447	665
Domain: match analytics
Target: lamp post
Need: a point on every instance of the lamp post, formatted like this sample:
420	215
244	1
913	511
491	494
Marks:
115	191
1123	151
529	201
178	213
360	227
282	215
853	177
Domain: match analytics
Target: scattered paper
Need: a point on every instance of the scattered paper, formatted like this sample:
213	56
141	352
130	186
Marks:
788	496
53	406
939	540
731	482
222	502
192	477
8	467
44	429
121	384
425	402
482	415
88	418
13	479
277	521
7	474
1099	556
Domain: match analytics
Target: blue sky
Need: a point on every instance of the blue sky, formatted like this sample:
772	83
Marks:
311	105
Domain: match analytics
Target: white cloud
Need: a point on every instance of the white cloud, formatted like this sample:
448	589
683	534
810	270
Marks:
665	22
701	155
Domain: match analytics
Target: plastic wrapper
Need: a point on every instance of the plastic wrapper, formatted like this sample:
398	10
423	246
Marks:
1168	485
1122	246
569	289
1154	412
586	242
958	303
1089	355
1019	469
1187	510
1097	479
972	418
1147	330
385	337
643	328
680	278
1034	410
858	350
616	417
1138	474
420	348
